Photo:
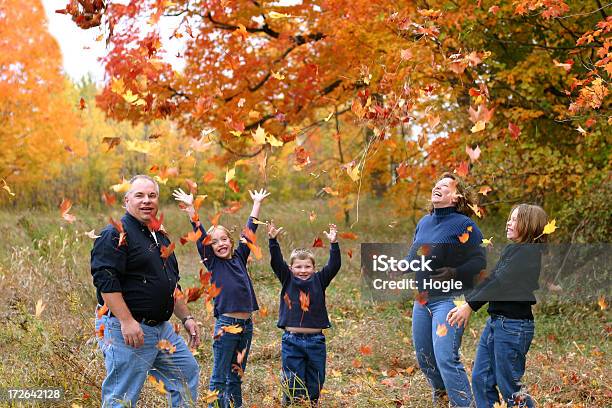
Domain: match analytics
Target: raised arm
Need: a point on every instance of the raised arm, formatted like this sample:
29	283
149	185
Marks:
279	266
334	262
205	251
257	197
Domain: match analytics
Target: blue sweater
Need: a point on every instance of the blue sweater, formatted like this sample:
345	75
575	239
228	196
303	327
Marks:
237	294
437	237
293	316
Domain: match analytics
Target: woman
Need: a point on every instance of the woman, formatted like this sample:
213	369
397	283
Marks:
452	241
505	340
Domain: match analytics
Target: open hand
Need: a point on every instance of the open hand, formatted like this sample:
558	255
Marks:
183	197
258	196
272	230
332	235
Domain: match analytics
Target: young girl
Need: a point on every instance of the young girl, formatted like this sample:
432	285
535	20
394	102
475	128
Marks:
235	303
505	341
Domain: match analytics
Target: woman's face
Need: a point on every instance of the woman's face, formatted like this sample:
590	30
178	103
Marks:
511	226
444	193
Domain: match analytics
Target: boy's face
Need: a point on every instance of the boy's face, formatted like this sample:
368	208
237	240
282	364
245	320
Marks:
302	268
221	244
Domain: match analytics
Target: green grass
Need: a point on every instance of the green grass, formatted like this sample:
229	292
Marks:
43	258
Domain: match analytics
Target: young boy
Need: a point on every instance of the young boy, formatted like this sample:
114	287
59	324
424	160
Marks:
303	316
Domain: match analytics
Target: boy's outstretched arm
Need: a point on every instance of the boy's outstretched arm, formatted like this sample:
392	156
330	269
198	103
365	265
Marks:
279	266
330	270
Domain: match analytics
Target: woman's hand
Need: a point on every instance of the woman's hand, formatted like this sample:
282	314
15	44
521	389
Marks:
459	315
332	234
272	230
258	196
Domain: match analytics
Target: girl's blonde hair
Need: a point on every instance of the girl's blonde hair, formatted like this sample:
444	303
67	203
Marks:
530	222
302	254
227	232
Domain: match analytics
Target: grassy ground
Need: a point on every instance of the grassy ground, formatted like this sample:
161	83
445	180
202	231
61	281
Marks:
44	259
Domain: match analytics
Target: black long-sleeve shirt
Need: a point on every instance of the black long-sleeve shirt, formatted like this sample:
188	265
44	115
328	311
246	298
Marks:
290	312
136	269
510	286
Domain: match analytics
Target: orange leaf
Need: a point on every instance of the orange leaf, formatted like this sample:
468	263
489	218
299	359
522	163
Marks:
365	350
463	169
350	253
208	177
108	199
442	331
65	207
233	208
233	329
119	227
193	187
212	292
347	235
158	384
165	345
102	311
178	294
191	236
215	219
100	332
256	250
287	300
484	190
194	293
318	243
240	355
424	250
198	202
603	304
233	185
463	238
155	224
476	209
304	301
166	251
205	277
82	104
422	297
207	240
330	191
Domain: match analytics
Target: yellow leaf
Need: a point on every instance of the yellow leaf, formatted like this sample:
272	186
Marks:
254	114
275	15
121	188
476	210
259	135
549	228
117	86
7	188
40	307
236	133
158	384
274	141
233	329
487	242
211	396
161	180
353	173
230	174
603	304
460	301
442	331
278	76
480	125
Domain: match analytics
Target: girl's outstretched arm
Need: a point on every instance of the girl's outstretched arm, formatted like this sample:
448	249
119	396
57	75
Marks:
258	197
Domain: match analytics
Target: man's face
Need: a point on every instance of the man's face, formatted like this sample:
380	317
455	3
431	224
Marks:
302	268
142	200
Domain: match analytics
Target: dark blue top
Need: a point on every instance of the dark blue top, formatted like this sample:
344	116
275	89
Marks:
136	269
437	236
316	316
237	294
509	289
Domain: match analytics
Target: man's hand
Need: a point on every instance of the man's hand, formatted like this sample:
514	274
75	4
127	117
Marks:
444	274
132	333
258	196
332	235
272	230
194	333
459	315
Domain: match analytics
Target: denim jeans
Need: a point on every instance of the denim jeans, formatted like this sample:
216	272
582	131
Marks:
500	362
303	359
225	377
438	356
127	368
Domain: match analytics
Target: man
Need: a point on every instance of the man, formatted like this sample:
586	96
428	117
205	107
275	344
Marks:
136	284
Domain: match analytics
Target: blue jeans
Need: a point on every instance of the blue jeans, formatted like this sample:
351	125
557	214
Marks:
303	358
127	368
500	362
226	378
438	356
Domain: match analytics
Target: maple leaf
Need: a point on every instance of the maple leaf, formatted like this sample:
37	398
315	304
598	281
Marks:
347	235
550	227
353	172
476	210
567	65
65	207
208	177
330	191
191	236
212	292
482	114
278	76
108	199
349	252
473	153
287	300
230	174
165	345
442	330
166	251
240	355
302	157
122	187
233	329
234	207
365	350
463	238
211	396
155	224
406	54
514	130
205	277
424	250
484	190
402	170
463	169
40	307
259	135
487	242
274	142
158	384
304	301
494	9
480	125
318	243
178	294
100	331
214	220
233	185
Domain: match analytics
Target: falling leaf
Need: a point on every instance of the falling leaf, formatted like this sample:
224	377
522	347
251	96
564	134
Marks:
208	177
304	301
133	99
514	130
7	188
119	227
155	224
459	301
487	242
353	172
484	190
82	104
214	220
603	304
40	307
230	174
92	234
347	235
550	227
581	130
274	142
318	243
365	350
463	169
233	185
473	153
233	329
165	345
424	250
166	251
480	125
463	238
108	199
287	300
567	65
275	15
349	252
441	331
123	187
240	355
470	228
65	207
191	236
259	136
212	292
494	9
476	210
330	191
158	384
312	216
102	311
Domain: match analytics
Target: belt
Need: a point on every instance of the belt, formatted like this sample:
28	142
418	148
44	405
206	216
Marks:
148	322
304	334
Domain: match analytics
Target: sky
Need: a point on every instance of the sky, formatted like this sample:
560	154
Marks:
81	51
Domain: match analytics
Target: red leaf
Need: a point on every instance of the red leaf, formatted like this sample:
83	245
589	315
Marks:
318	243
108	199
515	131
233	184
350	253
463	169
65	207
347	235
422	297
215	219
166	251
155	224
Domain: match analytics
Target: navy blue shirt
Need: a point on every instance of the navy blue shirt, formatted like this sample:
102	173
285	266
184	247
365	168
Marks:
509	289
237	294
437	236
136	269
316	317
